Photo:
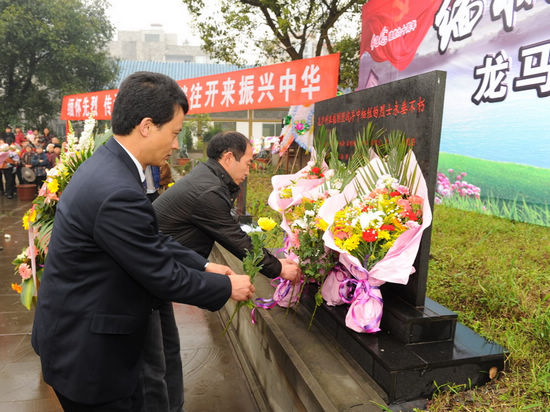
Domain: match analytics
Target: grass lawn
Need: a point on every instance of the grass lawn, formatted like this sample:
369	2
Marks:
495	274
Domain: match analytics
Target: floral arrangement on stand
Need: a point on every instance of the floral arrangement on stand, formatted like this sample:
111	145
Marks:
39	219
353	227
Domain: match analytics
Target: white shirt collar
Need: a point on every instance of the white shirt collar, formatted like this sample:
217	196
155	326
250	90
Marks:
137	163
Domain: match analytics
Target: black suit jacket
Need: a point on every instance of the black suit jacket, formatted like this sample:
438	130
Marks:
106	266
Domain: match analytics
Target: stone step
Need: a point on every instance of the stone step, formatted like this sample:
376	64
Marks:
293	368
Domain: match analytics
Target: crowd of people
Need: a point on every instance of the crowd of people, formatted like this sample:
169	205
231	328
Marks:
34	151
40	152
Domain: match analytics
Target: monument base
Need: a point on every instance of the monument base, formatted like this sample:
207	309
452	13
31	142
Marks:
332	368
411	371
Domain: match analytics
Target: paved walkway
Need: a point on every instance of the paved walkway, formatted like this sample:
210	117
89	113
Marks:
214	380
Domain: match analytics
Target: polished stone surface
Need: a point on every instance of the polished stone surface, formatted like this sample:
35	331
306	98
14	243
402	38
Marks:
214	380
408	371
297	369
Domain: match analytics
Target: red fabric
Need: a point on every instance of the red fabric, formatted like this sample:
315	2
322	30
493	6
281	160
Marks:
298	82
383	14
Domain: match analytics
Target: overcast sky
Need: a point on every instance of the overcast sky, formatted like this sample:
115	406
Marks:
140	14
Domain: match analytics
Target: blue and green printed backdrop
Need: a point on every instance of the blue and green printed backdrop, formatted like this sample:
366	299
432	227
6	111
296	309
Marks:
495	139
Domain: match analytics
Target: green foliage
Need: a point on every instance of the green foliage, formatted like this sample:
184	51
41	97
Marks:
187	138
279	29
395	158
494	273
101	139
50	48
348	47
211	132
510	209
251	266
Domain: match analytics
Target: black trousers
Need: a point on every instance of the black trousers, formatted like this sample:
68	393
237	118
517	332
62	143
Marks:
131	404
9	177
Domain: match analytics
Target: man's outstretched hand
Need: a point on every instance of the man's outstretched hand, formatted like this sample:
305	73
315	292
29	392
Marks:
290	270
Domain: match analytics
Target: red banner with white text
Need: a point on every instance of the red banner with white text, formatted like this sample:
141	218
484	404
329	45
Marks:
299	82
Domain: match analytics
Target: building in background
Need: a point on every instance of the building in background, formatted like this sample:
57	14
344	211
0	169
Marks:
155	45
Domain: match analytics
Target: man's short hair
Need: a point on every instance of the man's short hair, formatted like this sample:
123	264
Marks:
234	142
146	94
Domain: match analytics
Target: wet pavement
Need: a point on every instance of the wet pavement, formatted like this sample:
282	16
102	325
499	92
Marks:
214	380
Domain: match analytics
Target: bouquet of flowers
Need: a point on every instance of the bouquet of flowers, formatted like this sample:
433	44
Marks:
252	262
375	225
38	220
299	198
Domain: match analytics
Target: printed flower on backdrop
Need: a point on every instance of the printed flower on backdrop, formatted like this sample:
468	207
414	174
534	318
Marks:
445	188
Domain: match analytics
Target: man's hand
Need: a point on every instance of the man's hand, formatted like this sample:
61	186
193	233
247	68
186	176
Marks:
217	268
290	270
241	287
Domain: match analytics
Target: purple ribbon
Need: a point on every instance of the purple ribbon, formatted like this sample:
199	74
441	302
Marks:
362	293
277	296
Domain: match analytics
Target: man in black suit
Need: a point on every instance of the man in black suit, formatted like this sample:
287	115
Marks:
107	264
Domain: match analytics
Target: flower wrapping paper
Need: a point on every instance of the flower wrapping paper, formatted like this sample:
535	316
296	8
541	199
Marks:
302	187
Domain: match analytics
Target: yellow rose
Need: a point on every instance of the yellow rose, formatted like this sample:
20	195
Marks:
266	223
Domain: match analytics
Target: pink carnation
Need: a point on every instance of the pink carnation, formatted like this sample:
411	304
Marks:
404	203
404	190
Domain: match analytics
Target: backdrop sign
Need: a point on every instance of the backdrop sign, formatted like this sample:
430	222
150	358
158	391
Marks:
496	121
294	83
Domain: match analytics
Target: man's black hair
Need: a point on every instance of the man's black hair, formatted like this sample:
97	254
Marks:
146	94
234	142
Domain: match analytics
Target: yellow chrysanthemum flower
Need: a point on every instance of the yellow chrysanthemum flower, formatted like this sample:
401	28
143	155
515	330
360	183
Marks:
26	222
32	215
53	186
286	193
266	223
321	224
351	243
170	184
384	234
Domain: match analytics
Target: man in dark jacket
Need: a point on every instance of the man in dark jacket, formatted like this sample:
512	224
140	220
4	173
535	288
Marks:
198	211
107	263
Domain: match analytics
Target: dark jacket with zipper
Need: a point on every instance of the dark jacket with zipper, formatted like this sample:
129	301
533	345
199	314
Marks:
198	211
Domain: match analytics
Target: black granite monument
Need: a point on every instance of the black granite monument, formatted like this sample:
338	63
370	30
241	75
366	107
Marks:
421	342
